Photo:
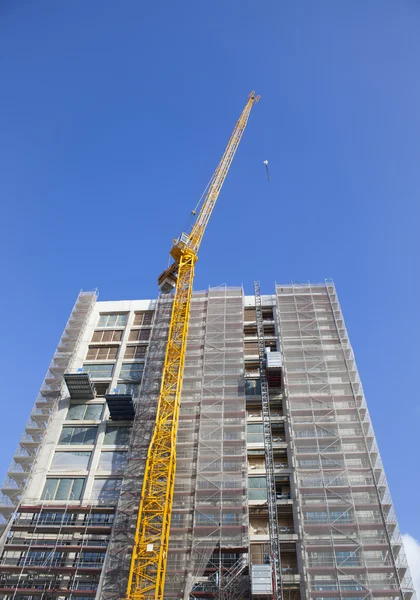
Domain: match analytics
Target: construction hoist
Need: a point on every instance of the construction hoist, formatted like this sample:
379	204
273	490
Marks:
148	563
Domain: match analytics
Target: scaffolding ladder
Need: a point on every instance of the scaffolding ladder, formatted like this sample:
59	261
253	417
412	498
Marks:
273	527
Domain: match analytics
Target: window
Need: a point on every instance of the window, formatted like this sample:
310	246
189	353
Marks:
34	557
107	490
135	352
112	335
350	585
128	388
70	461
251	348
102	353
255	433
99	371
309	463
117	436
63	489
78	435
112	320
99	519
143	318
310	432
131	371
250	314
112	461
321	558
207	519
139	335
253	387
91	559
348	559
231	518
85	412
316	517
52	518
257	488
342	517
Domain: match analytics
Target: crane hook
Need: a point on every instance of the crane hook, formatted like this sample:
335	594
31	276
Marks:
266	168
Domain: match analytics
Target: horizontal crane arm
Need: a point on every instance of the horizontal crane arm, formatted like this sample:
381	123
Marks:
167	279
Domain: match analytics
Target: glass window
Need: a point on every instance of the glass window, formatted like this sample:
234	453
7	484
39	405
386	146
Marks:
143	318
135	352
139	335
91	559
342	517
112	320
350	585
78	435
253	387
99	371
100	519
131	371
51	518
314	517
309	463
106	490
63	489
129	388
112	461
85	412
211	519
347	559
257	488
35	557
255	433
70	461
111	335
117	436
321	558
102	353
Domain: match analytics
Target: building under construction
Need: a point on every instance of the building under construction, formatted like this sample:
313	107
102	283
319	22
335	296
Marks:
279	488
199	446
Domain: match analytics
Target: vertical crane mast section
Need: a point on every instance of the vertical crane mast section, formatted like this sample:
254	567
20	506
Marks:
149	558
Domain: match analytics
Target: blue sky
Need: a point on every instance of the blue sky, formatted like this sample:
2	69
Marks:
113	115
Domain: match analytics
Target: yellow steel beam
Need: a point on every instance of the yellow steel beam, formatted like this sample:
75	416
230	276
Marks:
149	558
148	562
219	176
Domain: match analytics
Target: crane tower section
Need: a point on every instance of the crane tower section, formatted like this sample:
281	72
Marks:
149	557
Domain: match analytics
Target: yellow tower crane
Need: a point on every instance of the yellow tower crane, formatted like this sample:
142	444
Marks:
149	558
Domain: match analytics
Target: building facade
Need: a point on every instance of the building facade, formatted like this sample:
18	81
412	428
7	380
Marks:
279	491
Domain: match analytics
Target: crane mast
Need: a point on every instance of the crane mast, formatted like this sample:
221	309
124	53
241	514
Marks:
149	558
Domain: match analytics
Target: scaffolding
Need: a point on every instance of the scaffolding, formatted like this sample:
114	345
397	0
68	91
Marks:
55	549
328	508
52	390
350	540
275	554
113	583
209	534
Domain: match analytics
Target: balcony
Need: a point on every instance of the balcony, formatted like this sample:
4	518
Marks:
121	406
79	386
